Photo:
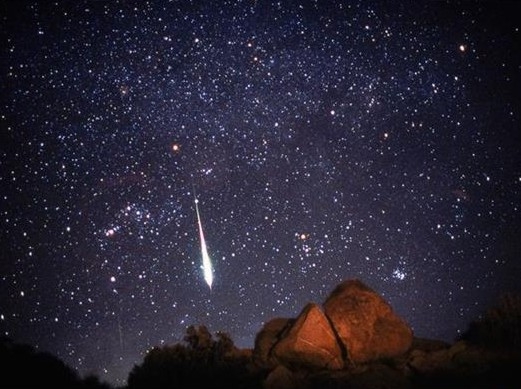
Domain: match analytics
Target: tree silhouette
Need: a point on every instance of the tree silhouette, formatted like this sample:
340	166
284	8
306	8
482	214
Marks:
500	326
201	362
25	367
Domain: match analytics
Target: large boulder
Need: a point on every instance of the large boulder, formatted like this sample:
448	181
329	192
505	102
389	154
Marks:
309	343
365	323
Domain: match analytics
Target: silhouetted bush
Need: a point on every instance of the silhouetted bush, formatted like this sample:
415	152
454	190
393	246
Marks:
500	326
202	362
25	367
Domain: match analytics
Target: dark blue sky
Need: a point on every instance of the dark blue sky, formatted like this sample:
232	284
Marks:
325	141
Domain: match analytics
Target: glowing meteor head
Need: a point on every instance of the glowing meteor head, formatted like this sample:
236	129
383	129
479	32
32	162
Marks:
208	277
207	267
196	200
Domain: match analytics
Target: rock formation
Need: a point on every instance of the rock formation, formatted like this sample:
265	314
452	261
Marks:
355	342
366	324
357	325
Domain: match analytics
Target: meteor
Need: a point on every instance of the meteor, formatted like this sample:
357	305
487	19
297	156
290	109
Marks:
207	263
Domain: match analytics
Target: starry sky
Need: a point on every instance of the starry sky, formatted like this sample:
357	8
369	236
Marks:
324	140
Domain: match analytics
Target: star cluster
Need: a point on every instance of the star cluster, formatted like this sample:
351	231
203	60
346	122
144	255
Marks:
324	140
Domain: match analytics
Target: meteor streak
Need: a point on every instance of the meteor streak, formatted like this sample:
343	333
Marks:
207	263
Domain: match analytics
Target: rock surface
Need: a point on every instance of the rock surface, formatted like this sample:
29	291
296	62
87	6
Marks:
310	342
365	323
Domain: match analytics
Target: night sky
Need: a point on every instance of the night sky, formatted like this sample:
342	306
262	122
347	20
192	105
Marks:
324	141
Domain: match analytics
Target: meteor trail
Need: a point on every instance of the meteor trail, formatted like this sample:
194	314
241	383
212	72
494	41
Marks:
207	263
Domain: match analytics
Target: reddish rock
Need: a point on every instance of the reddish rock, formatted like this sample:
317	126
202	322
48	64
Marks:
310	342
365	323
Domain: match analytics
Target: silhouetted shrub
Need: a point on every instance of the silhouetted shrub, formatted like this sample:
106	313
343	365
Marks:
201	362
500	326
25	367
